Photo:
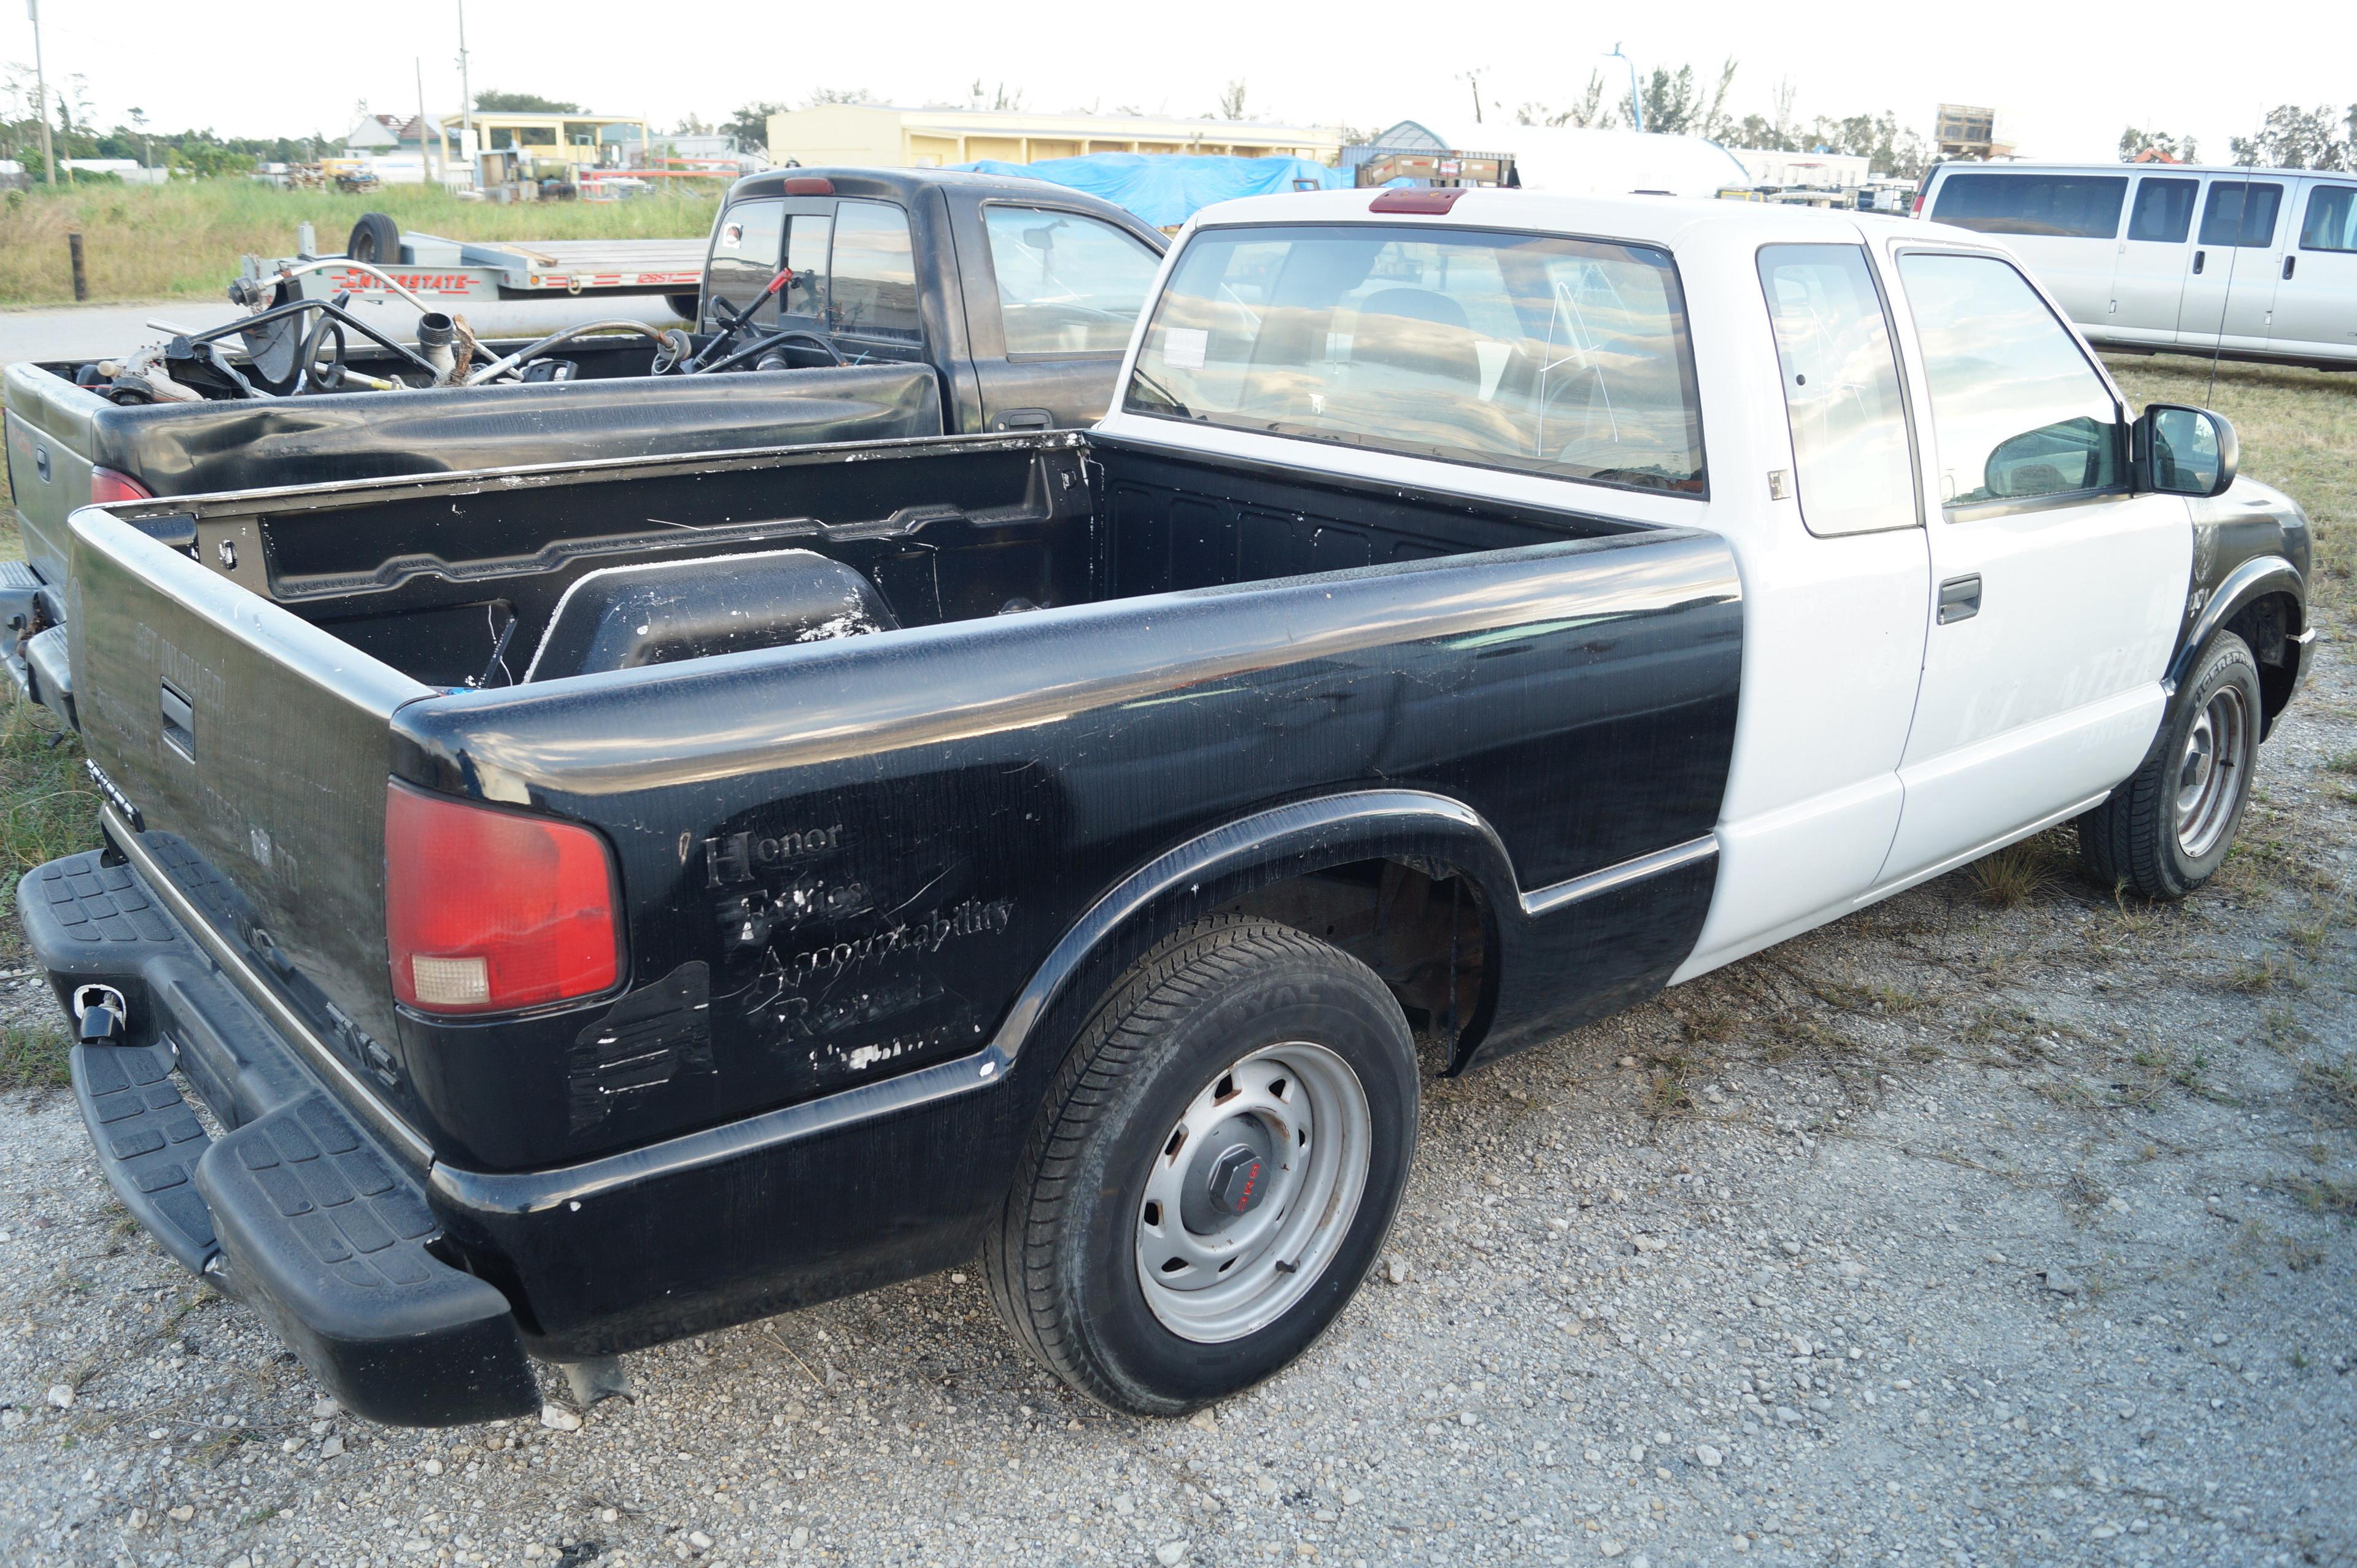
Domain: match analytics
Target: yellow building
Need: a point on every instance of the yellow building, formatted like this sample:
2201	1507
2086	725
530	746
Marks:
878	135
531	139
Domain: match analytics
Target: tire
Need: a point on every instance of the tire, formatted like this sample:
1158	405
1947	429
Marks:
1080	1265
2167	830
683	305
375	238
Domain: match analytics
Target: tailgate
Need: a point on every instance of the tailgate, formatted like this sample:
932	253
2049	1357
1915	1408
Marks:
244	755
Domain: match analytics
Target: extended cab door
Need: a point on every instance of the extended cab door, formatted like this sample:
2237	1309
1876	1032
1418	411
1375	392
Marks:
2057	595
1066	287
2236	255
2315	287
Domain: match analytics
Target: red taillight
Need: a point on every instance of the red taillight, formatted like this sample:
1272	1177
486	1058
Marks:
107	486
487	910
1917	211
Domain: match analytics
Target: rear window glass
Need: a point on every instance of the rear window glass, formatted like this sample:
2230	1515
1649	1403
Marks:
875	273
2072	206
1567	357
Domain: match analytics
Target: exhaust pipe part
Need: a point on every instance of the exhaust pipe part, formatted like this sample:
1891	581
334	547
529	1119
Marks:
437	336
100	1014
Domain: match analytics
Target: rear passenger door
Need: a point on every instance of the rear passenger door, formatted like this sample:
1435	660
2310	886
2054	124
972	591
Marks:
2315	287
2057	594
2148	278
2231	285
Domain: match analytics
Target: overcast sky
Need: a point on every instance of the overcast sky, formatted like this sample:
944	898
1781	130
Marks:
2066	76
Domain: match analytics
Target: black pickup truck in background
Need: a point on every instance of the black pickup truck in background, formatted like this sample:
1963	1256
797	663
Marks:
922	303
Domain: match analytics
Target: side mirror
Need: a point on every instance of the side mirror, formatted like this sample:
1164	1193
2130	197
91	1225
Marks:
2182	451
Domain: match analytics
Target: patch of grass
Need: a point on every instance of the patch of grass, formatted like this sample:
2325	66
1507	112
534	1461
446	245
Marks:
2256	977
33	1057
2344	763
183	240
2015	874
47	805
2321	1195
1668	1092
2334	1083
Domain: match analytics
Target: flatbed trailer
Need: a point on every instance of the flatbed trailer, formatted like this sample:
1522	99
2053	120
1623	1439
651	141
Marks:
465	277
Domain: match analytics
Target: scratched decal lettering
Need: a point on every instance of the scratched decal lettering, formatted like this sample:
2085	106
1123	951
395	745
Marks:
654	1035
734	858
928	933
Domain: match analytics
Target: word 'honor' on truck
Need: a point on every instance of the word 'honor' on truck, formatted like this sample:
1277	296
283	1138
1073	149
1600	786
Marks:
603	903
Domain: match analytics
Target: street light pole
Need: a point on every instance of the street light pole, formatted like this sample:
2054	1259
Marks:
1636	105
465	90
41	95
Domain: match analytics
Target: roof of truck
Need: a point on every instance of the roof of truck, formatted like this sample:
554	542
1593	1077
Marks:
900	184
1651	220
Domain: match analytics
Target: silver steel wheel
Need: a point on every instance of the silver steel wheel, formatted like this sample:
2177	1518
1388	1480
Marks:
1253	1191
2210	771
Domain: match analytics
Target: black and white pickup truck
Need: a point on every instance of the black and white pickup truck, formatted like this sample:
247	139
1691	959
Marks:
607	901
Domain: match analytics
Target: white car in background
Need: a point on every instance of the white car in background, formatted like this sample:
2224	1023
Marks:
2246	263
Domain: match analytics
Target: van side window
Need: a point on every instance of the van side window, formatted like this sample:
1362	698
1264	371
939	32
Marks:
1067	284
2071	206
875	273
744	257
2330	223
2018	410
2164	210
1850	452
2240	213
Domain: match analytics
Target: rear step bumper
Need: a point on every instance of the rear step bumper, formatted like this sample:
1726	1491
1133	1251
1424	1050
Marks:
297	1210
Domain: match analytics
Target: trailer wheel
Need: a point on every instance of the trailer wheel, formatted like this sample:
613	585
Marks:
1214	1170
683	305
375	238
2167	828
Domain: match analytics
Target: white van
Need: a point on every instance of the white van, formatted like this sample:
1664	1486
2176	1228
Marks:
2250	263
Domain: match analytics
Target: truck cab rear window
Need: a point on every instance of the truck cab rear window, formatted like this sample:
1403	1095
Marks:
2071	205
1569	357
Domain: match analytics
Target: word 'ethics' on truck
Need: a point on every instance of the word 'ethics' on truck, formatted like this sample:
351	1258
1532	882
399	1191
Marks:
603	902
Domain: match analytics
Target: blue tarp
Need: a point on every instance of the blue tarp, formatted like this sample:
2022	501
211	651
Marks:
1166	188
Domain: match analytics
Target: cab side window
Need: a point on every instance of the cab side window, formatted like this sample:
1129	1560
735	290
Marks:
745	254
875	281
1854	466
2016	410
2164	210
807	234
1067	284
2240	213
2330	221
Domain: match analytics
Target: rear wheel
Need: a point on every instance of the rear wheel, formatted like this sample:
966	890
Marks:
2167	830
375	238
1214	1169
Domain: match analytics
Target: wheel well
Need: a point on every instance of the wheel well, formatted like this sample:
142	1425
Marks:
1421	925
2269	623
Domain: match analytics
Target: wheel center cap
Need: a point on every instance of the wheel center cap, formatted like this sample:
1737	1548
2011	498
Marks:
1239	1180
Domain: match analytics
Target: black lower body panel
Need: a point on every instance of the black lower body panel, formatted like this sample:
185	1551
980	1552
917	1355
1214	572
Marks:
295	1209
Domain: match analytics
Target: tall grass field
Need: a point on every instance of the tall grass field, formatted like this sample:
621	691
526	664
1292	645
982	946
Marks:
183	240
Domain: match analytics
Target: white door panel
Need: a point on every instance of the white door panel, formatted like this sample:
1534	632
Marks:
1784	865
2316	306
2148	278
2237	252
2021	774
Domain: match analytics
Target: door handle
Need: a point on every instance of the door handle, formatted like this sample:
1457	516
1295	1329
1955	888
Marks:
2289	262
1027	419
2198	257
1960	599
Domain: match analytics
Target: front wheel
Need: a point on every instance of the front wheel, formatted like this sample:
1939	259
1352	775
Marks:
1214	1170
2167	830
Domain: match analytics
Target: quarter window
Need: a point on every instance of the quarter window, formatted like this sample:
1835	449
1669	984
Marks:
806	245
2016	410
1567	357
1850	451
2164	210
2330	223
1067	284
745	256
875	277
2081	207
2240	213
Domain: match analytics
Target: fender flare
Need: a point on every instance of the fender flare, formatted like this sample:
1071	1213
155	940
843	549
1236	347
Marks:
1288	840
2259	575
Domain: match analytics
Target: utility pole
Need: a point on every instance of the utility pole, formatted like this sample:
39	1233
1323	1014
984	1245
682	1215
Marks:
41	95
424	159
465	90
1636	105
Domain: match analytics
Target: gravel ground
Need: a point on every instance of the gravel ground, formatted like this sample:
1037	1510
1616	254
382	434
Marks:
1958	1232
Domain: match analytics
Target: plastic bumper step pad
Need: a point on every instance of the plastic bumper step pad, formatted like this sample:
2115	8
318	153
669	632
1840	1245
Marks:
148	1144
330	1242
